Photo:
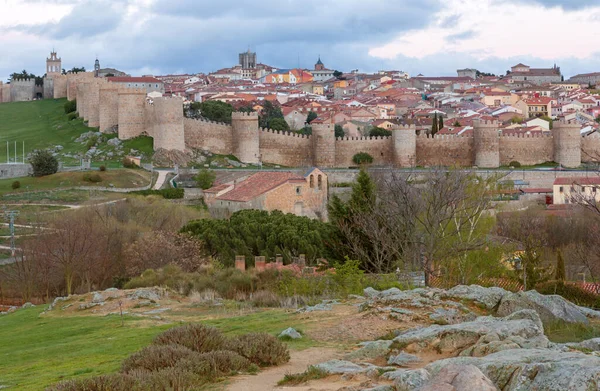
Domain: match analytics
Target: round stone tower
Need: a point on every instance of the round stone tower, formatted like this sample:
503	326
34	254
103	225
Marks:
486	143
131	113
246	145
323	144
168	123
567	143
405	146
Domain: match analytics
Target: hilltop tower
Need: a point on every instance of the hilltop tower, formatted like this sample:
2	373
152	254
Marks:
405	146
567	143
319	66
323	144
245	137
96	68
53	65
487	144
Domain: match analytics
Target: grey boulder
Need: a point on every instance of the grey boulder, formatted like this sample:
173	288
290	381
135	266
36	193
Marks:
551	308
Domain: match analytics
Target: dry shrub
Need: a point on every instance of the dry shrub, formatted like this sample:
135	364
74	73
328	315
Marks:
260	348
155	357
117	382
169	379
265	299
196	337
207	295
216	364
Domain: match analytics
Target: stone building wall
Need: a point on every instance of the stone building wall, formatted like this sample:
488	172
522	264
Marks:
285	148
48	88
108	108
93	102
526	149
323	145
487	144
212	136
445	150
132	113
405	146
4	93
381	148
164	122
567	143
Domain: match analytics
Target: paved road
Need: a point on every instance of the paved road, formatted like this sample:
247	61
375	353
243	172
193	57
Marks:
162	177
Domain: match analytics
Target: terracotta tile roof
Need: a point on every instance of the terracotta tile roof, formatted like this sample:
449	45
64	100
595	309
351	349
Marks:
538	101
257	185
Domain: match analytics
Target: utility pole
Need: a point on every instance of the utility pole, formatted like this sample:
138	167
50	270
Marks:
10	216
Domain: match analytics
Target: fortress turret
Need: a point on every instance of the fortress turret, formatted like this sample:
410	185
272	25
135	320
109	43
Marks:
486	143
323	144
131	112
567	143
405	146
245	137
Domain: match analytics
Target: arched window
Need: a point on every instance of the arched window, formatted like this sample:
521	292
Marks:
319	182
312	181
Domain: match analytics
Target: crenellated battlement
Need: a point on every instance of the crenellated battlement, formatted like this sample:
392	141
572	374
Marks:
425	136
241	115
22	81
284	133
525	135
485	123
566	124
366	138
404	127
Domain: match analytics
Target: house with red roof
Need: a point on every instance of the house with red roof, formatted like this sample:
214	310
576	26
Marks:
289	192
576	189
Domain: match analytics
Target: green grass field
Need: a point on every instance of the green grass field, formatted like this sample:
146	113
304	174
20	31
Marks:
37	351
43	123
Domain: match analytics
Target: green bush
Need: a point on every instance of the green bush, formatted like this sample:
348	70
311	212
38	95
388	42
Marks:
72	116
362	158
205	179
102	168
93	178
43	163
571	292
15	185
169	194
514	164
312	373
155	357
70	106
260	348
196	337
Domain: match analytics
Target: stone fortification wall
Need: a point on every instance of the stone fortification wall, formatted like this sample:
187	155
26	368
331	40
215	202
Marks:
48	88
22	90
405	146
445	150
164	122
92	102
4	93
245	137
526	149
590	148
381	148
323	145
212	136
285	148
73	80
80	97
109	107
567	143
132	113
60	86
487	144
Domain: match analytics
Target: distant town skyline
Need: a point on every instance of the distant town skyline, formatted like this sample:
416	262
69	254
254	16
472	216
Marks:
429	37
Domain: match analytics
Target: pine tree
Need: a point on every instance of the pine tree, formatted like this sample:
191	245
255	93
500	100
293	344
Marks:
434	125
560	267
441	125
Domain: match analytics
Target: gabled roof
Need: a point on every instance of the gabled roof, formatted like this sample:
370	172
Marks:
577	181
258	184
128	79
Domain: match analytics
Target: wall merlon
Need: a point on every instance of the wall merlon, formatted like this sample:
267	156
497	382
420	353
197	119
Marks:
244	115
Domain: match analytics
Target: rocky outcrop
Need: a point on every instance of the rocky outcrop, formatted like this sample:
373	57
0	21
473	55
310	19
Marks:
551	308
370	350
521	327
489	297
459	378
532	369
290	333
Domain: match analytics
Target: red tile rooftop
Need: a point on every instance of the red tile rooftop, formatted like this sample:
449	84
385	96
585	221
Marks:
258	184
585	181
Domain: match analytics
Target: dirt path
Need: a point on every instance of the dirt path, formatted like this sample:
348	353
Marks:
267	380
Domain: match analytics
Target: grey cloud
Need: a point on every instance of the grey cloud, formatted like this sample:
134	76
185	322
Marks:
568	5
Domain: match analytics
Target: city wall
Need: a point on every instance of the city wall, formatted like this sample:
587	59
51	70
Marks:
132	113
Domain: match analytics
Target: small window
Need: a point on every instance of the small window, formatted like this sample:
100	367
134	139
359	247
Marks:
560	189
298	190
319	182
312	181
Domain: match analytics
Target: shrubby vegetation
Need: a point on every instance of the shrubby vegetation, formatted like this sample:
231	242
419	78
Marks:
70	106
205	179
186	358
169	194
43	163
362	158
254	232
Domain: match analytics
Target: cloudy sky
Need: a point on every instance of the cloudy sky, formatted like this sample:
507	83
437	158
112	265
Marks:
432	37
